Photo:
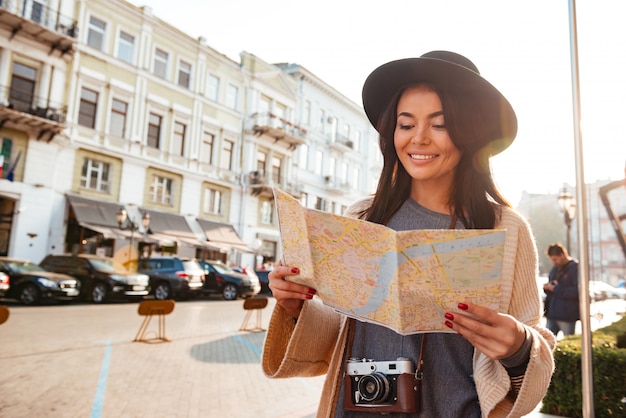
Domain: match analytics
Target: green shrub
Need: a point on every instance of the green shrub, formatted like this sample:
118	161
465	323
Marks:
564	396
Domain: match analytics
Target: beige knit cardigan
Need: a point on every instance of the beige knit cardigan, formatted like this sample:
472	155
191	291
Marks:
315	345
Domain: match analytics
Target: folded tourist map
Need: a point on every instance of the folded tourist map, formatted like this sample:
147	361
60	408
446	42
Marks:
403	280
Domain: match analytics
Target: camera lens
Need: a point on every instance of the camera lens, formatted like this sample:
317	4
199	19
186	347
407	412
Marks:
373	387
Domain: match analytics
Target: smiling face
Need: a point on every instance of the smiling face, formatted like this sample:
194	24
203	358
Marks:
423	144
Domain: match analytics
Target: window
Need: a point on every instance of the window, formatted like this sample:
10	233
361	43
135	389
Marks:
231	96
95	175
307	112
22	93
213	201
117	125
178	139
303	156
95	33
357	141
184	74
261	158
267	212
37	11
226	160
304	200
276	170
126	47
206	148
356	177
212	87
320	204
319	160
87	108
344	173
154	130
160	63
161	190
322	120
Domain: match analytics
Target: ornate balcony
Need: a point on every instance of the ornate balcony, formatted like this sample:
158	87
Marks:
36	21
277	128
24	111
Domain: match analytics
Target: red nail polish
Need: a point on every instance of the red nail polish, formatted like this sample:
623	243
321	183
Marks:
449	316
448	324
309	296
295	270
312	291
463	306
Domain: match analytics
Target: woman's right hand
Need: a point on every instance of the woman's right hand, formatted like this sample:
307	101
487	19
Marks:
289	295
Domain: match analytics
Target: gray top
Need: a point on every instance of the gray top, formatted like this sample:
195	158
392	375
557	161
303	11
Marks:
447	389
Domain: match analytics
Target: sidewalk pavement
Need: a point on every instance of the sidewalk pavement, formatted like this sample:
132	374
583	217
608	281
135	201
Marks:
80	360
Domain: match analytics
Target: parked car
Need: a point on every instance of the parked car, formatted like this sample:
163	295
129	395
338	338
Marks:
265	281
101	278
600	290
172	277
219	278
31	284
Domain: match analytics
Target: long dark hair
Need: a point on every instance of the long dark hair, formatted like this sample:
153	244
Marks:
474	197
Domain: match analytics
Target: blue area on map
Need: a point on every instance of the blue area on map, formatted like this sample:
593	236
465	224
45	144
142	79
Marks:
391	261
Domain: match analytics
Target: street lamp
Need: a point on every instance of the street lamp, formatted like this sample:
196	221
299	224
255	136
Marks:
125	222
568	207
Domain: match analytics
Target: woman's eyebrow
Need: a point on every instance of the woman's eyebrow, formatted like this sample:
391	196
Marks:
430	116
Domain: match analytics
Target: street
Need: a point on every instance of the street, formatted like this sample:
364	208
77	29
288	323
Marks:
80	360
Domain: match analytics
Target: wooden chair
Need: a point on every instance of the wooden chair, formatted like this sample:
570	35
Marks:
149	308
253	304
4	314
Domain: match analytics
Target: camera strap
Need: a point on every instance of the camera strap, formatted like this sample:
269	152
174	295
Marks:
419	374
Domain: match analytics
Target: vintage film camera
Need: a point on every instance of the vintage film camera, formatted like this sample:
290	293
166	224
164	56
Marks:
381	386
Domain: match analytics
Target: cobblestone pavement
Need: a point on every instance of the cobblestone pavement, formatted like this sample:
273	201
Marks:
80	361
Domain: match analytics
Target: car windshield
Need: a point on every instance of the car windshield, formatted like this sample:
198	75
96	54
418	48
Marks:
24	267
108	265
221	268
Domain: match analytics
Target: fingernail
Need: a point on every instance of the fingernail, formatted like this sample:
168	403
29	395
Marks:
463	306
312	291
449	316
295	270
448	324
309	296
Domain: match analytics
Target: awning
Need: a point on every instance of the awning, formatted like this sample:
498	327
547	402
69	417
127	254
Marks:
172	227
223	235
94	212
100	217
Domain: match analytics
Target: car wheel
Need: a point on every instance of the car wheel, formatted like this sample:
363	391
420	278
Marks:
29	294
99	293
162	291
230	292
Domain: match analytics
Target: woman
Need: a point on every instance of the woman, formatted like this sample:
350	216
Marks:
439	122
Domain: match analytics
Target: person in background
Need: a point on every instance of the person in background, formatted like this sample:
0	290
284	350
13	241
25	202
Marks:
562	308
439	122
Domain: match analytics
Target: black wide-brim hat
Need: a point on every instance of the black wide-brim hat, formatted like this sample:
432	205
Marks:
446	71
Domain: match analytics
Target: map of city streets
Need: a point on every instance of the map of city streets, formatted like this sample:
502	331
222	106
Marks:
403	280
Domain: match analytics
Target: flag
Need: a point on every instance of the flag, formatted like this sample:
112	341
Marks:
13	165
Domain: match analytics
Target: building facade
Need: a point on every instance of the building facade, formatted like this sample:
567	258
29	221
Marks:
160	127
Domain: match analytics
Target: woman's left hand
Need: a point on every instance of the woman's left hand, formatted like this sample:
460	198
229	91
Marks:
494	334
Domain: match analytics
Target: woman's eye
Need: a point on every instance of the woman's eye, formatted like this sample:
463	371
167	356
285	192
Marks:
405	127
439	126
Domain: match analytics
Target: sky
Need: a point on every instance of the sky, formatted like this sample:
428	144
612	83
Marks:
524	48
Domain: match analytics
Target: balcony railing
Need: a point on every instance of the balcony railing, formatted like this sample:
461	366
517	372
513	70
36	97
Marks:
277	128
344	140
41	14
34	105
